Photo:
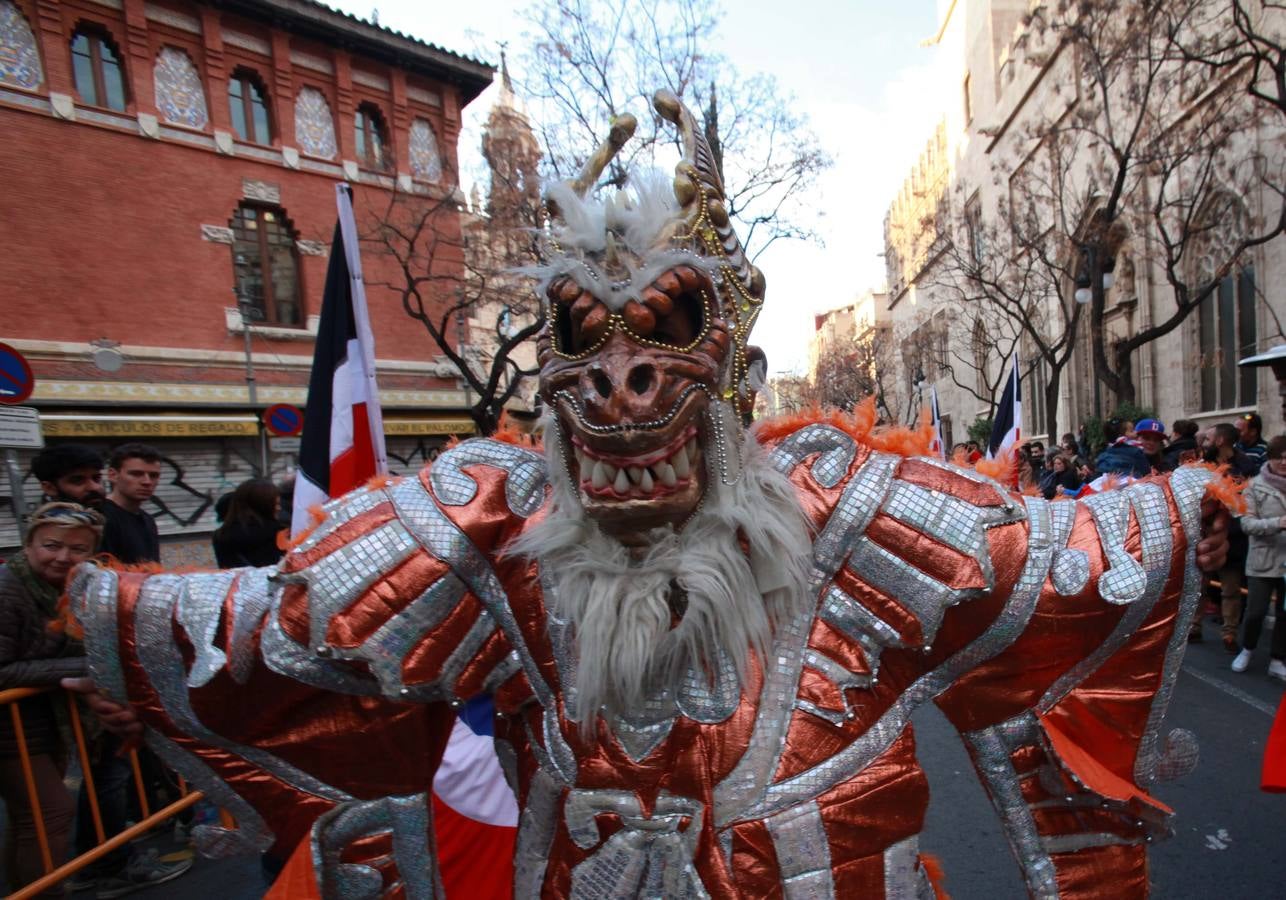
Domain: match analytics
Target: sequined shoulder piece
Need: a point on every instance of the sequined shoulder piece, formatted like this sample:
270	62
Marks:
892	503
397	590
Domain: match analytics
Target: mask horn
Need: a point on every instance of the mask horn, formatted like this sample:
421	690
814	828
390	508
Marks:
622	130
697	183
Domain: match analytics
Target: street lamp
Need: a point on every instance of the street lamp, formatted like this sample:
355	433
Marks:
1085	274
250	313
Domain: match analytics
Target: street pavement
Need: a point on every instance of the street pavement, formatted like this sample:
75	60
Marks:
1229	841
1229	837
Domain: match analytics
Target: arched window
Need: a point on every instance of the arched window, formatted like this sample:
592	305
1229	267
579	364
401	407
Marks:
19	59
1226	332
426	163
179	94
266	264
371	138
248	103
96	67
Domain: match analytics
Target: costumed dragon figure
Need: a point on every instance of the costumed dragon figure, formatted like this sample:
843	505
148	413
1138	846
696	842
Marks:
704	641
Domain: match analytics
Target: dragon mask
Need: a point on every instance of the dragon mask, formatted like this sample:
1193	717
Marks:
645	363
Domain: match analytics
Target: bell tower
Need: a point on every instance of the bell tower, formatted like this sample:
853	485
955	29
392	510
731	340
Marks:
513	155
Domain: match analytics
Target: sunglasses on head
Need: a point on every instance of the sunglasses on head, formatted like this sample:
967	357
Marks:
86	517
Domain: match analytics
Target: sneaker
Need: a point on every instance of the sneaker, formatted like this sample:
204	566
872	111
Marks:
1230	643
143	871
1277	669
1240	664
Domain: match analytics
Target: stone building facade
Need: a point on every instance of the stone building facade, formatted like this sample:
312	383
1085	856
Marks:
1007	73
169	163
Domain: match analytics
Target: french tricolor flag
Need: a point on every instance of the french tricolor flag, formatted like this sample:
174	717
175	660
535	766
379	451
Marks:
343	438
1006	430
936	446
476	816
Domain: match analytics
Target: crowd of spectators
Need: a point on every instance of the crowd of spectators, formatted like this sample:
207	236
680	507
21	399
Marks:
1250	583
95	506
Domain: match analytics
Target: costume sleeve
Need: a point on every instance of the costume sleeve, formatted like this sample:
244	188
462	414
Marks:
316	698
1252	523
1062	714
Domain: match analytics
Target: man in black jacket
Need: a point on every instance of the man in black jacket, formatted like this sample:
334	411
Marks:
1184	446
134	471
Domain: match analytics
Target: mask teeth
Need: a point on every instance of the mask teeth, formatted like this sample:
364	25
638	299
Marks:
597	475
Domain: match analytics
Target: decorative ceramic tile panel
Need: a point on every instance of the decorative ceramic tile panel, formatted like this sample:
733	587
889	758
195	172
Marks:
426	163
314	125
19	60
179	96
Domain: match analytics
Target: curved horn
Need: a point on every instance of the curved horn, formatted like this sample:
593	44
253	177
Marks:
697	170
622	130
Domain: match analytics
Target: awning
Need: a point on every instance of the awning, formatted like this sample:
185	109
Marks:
102	425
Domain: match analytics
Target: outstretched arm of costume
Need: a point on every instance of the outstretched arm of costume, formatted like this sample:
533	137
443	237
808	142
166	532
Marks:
1064	723
305	693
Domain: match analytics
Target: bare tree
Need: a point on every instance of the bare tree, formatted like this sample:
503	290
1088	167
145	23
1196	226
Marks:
589	62
1246	36
848	372
1010	280
451	278
930	352
1154	149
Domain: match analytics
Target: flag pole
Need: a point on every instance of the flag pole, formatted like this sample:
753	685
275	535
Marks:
362	321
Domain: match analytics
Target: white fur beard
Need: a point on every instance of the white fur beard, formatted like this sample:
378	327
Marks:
617	600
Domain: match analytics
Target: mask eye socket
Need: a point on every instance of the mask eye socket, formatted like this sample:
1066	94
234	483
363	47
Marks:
561	328
683	324
577	322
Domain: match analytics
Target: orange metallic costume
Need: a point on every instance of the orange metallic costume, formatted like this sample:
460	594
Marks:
314	700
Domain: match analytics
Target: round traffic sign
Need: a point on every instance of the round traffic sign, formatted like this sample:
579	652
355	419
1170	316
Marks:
283	419
16	378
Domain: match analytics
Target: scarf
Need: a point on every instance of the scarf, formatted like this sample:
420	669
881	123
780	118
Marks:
44	593
1276	482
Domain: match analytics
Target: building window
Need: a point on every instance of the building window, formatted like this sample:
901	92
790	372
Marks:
1226	333
19	59
426	162
314	125
371	138
973	223
179	95
96	67
248	102
266	265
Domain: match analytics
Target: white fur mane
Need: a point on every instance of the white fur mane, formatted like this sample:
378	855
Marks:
617	601
639	219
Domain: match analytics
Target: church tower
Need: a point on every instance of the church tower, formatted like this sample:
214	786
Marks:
513	155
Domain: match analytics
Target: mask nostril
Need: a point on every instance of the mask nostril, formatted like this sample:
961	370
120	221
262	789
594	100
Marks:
602	384
641	379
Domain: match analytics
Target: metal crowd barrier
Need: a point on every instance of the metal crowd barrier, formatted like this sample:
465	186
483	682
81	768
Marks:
105	845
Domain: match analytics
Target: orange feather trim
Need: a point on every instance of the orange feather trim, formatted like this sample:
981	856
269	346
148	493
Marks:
316	516
860	425
933	868
1225	487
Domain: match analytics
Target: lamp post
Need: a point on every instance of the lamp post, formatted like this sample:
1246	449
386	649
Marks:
250	313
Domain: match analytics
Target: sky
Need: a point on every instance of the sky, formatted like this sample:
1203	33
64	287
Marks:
856	68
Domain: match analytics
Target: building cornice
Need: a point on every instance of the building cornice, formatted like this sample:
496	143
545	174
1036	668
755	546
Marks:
313	19
63	351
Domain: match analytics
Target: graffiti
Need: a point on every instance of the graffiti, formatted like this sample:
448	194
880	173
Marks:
189	504
419	454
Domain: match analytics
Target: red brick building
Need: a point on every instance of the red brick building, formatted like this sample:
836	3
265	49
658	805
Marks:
162	159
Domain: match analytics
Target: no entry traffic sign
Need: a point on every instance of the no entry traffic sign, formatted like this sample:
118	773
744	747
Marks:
283	419
16	378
